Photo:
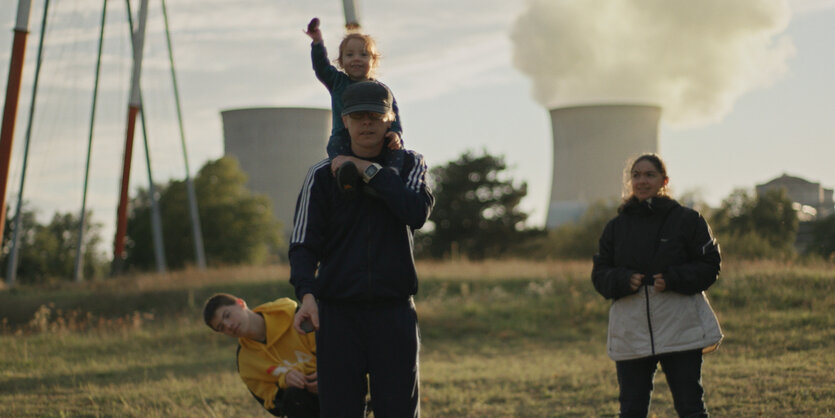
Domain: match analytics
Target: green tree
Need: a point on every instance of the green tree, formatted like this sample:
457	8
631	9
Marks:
574	240
761	226
823	238
238	226
476	210
48	252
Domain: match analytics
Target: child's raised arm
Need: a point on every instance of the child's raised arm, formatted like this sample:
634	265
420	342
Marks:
313	31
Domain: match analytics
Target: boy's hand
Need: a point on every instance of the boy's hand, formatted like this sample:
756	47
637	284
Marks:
394	140
338	161
313	30
295	379
308	311
312	384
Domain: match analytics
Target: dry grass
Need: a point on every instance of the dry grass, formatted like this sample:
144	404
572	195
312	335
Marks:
501	269
500	338
192	277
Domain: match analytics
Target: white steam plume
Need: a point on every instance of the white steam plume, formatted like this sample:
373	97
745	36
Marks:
694	58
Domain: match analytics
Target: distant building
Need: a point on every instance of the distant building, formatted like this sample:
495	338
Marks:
275	147
592	144
811	200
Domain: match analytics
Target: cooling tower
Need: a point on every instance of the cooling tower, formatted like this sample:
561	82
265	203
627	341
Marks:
591	147
275	148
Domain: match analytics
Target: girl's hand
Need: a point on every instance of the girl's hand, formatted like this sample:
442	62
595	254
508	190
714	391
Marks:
313	30
660	285
635	281
394	140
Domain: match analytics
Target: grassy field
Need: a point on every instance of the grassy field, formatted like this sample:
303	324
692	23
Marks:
499	339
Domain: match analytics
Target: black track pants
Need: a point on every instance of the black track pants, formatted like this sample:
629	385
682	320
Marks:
380	341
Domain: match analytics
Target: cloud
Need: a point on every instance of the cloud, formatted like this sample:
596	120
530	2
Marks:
811	6
443	46
695	59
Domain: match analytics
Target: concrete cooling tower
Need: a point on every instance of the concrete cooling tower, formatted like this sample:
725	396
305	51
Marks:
275	148
591	147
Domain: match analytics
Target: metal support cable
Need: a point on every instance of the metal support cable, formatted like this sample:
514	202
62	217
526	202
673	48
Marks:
156	219
79	255
11	274
200	256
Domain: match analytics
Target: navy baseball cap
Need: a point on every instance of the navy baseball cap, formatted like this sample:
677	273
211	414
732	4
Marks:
366	96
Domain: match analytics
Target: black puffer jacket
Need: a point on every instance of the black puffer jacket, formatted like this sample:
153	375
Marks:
633	242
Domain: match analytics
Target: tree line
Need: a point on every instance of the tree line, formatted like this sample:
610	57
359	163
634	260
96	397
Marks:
476	216
237	225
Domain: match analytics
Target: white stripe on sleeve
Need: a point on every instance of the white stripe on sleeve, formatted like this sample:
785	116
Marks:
300	227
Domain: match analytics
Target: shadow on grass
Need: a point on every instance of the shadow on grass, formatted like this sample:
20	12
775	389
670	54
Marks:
194	368
18	308
84	348
502	311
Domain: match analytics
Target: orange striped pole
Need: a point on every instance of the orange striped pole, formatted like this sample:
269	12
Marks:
133	109
21	30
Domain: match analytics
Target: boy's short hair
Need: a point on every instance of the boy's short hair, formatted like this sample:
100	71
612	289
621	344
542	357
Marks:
214	303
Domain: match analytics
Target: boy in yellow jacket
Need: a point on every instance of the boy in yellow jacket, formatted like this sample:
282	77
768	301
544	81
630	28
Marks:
277	363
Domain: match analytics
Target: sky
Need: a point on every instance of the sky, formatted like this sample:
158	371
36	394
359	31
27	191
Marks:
747	87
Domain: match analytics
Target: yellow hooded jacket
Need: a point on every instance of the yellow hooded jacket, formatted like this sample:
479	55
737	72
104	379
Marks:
263	366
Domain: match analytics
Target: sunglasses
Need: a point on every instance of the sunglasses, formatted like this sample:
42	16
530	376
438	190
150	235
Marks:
370	115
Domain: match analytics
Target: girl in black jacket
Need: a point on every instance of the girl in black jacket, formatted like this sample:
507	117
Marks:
655	260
